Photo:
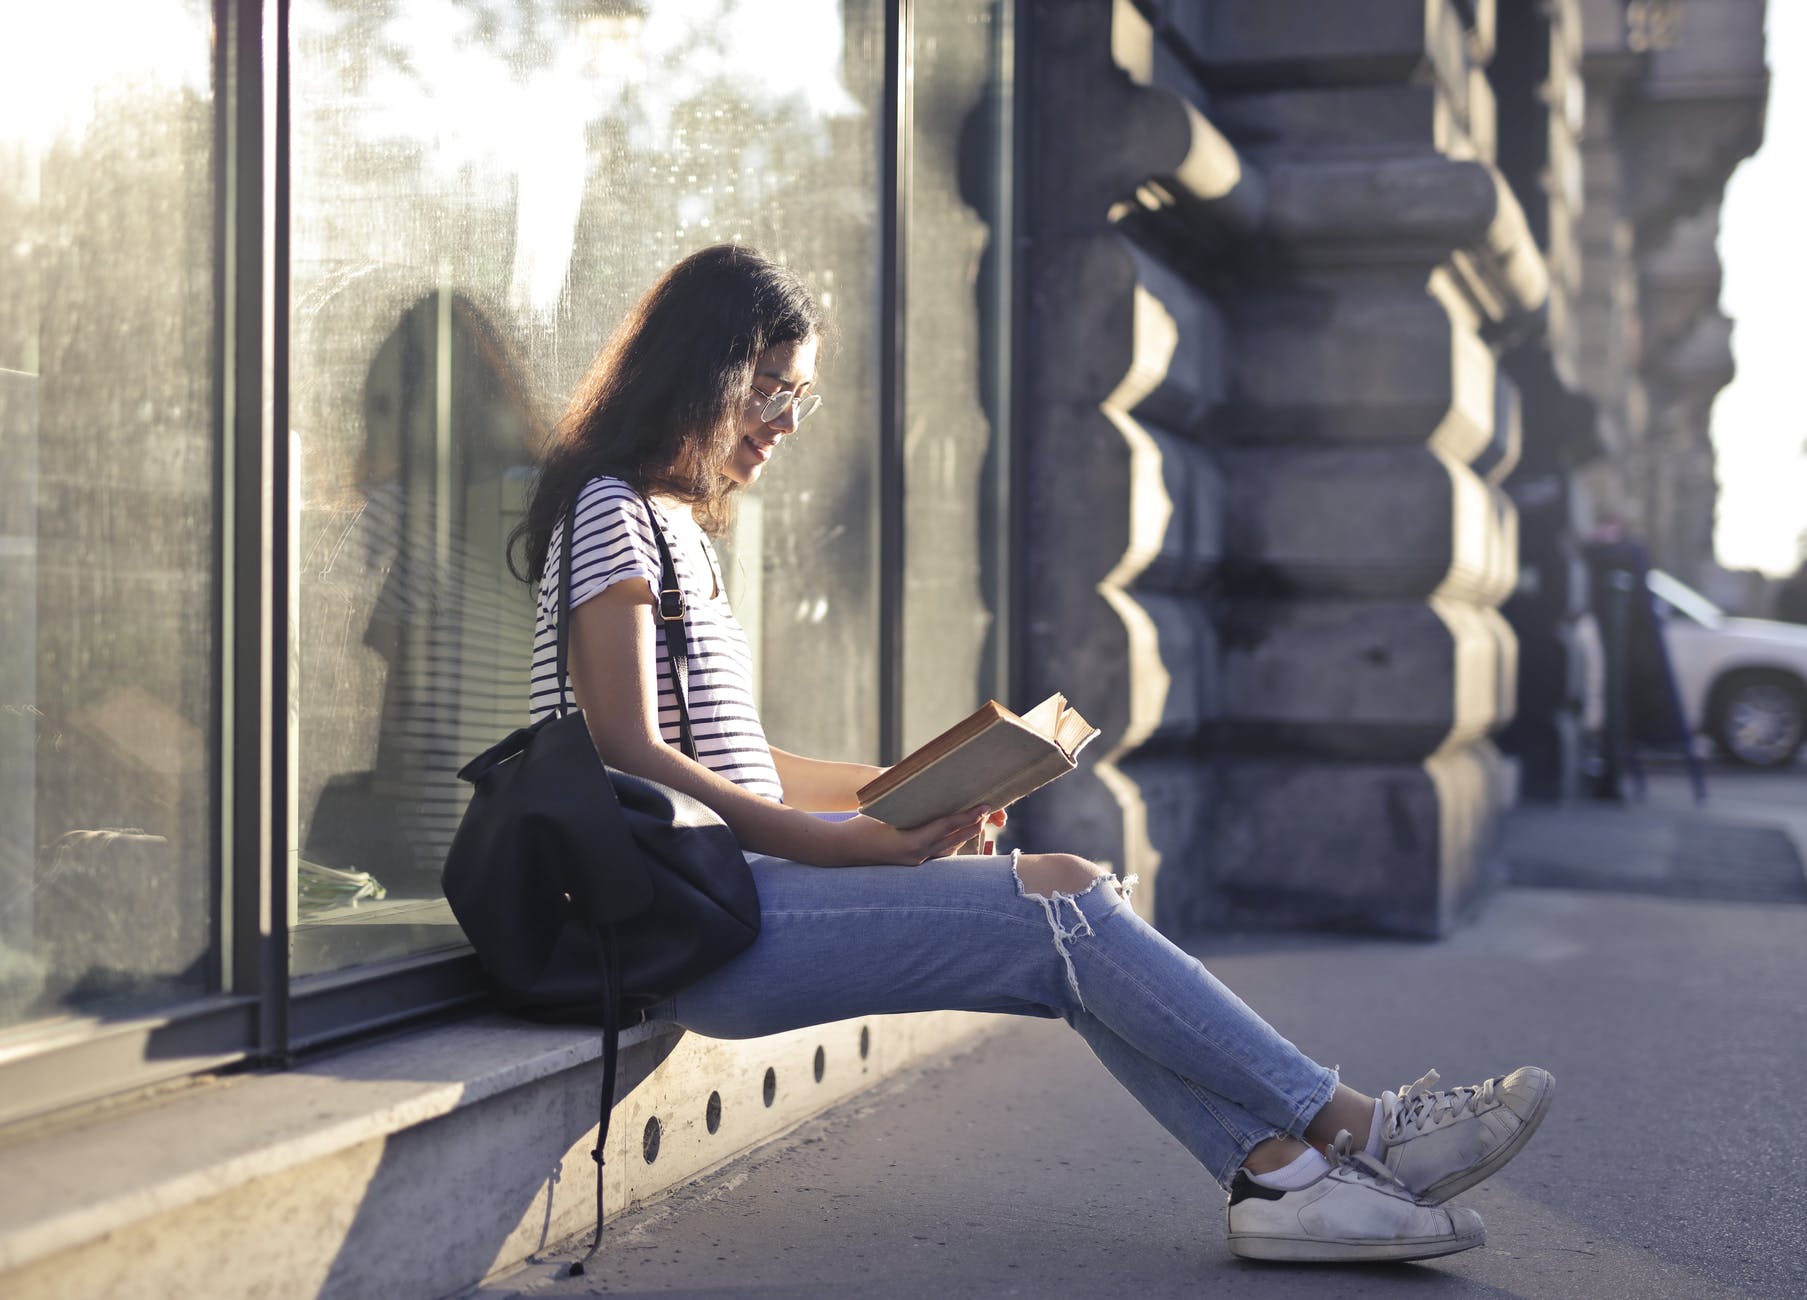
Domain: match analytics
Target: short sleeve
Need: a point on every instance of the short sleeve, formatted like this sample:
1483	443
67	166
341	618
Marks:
614	540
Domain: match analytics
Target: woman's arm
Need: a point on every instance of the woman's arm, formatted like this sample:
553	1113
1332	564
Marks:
614	675
819	784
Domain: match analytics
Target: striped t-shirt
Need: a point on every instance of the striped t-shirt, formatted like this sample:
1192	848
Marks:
615	543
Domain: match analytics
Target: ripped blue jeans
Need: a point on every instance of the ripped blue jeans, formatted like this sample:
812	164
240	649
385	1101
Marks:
963	934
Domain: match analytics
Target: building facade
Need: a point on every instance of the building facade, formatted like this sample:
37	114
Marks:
1663	100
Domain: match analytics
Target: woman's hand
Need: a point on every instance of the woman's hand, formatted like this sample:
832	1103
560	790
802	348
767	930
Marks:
867	842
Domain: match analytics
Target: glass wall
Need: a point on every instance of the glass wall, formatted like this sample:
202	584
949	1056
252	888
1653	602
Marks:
108	737
473	195
478	194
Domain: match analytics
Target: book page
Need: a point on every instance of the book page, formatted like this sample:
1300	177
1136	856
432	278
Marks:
1046	716
1073	733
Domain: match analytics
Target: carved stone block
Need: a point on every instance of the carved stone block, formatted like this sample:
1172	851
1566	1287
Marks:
1393	847
1375	522
1387	365
1362	679
1324	121
1149	517
1121	136
1327	42
1118	327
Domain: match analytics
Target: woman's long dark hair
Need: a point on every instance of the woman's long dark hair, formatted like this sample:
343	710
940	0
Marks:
663	403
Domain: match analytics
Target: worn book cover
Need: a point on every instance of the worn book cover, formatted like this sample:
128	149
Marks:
992	758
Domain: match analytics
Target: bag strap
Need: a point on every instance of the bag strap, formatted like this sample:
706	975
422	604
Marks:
566	546
677	638
671	614
677	655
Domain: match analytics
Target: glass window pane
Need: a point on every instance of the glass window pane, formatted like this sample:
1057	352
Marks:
107	509
953	570
479	193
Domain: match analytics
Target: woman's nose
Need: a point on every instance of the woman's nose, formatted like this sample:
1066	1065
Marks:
786	421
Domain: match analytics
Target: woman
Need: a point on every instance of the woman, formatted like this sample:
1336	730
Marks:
711	373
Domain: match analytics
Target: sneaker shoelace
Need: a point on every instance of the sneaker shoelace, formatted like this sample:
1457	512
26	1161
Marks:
1421	1107
1342	1153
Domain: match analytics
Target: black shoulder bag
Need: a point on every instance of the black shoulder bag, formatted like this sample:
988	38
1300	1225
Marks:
587	891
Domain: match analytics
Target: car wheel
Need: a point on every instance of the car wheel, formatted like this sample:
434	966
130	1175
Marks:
1760	718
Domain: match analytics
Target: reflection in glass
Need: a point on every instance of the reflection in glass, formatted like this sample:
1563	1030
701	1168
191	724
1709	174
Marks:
478	194
107	509
409	619
959	186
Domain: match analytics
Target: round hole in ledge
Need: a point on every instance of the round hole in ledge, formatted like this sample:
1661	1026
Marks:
821	1065
649	1140
712	1113
865	1041
770	1088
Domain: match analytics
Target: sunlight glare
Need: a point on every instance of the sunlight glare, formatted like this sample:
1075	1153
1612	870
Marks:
1758	427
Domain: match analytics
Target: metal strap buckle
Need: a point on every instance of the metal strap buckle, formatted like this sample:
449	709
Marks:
671	605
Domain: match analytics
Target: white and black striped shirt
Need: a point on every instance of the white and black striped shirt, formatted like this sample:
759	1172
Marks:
615	543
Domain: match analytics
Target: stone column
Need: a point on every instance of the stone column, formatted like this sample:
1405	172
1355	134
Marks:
1687	360
1269	253
1608	347
1676	94
1369	428
1537	79
1125	507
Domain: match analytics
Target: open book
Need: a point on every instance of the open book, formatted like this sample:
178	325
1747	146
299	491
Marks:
992	758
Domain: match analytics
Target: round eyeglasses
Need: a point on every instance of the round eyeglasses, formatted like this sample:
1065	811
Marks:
776	404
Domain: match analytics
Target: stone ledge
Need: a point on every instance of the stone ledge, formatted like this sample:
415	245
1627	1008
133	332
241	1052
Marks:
412	1166
240	1127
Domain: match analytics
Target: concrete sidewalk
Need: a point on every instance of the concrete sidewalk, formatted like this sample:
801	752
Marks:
1672	1164
1747	843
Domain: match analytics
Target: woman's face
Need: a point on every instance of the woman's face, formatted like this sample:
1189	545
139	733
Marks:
787	367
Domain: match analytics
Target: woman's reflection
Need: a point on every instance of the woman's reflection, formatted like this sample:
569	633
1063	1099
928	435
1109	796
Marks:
450	431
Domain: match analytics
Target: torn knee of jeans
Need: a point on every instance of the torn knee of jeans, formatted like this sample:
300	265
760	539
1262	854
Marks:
1066	920
1123	887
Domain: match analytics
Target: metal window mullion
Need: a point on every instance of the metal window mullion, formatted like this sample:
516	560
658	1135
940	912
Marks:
225	245
894	223
258	831
286	575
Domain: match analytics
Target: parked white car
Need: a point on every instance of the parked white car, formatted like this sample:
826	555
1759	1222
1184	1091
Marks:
1743	681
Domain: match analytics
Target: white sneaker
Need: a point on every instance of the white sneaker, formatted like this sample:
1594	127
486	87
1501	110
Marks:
1356	1211
1442	1143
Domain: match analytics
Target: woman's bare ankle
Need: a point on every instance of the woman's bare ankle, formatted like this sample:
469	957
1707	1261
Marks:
1346	1109
1274	1153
